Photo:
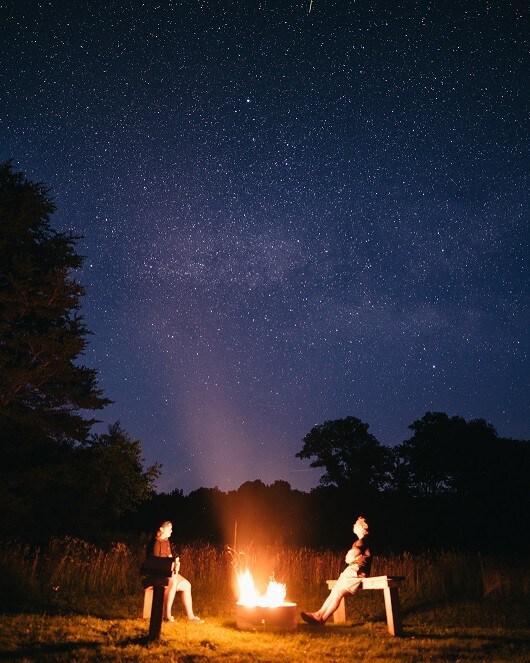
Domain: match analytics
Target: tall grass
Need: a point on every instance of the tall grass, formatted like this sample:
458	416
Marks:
72	575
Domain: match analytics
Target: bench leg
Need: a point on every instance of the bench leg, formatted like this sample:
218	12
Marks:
148	602
339	615
393	611
155	624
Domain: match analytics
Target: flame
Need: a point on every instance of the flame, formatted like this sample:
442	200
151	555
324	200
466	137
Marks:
250	596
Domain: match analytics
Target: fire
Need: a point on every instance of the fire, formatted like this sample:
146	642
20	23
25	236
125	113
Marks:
250	596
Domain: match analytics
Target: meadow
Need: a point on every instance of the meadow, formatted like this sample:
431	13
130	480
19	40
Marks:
74	601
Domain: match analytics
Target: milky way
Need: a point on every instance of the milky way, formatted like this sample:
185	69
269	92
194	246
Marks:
288	216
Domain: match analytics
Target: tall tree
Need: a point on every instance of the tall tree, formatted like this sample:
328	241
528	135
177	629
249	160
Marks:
352	457
448	454
43	388
117	482
54	476
423	465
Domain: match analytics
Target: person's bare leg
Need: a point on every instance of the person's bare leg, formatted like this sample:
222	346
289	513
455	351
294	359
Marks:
328	607
328	603
169	597
184	587
332	603
326	612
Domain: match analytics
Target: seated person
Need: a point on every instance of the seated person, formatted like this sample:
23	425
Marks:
359	560
160	547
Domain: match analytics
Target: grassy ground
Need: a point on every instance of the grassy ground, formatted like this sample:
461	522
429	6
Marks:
478	631
72	601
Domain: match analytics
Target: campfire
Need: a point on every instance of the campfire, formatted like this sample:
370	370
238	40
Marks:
267	610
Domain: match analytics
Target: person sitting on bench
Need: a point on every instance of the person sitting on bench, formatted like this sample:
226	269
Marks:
359	560
160	547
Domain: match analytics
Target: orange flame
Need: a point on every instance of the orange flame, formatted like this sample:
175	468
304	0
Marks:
250	596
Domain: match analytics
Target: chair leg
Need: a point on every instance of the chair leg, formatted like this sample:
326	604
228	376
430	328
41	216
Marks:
339	615
393	611
148	602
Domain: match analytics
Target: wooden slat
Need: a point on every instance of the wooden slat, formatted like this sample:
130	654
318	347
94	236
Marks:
381	582
376	582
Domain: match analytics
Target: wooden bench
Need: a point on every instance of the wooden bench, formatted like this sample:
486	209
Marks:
390	586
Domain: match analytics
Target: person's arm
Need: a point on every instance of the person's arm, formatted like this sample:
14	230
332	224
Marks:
364	561
176	565
351	555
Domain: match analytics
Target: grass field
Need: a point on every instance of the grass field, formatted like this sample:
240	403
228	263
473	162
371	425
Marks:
450	632
75	602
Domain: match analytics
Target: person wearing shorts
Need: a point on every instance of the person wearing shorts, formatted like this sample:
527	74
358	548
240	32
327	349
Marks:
359	560
162	548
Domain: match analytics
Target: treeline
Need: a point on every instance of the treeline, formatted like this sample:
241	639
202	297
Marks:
454	484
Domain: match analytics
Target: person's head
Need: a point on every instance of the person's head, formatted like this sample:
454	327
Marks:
165	529
360	527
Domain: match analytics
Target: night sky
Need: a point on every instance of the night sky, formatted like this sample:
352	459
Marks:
292	212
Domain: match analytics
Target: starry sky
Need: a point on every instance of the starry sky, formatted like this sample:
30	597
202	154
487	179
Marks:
292	212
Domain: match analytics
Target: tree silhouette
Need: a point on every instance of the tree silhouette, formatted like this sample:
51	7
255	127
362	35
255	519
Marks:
117	482
447	454
42	334
351	456
54	477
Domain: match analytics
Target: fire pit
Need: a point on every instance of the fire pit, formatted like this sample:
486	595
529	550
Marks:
266	618
269	611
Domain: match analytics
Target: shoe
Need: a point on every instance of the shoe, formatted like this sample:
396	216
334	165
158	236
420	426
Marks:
308	617
196	620
169	619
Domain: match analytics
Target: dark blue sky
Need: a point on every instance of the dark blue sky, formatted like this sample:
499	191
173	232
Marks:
288	216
